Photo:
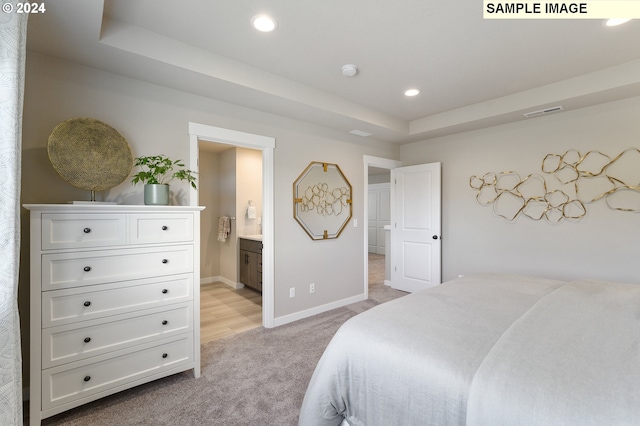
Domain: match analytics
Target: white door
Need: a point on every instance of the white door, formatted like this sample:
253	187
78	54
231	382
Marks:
372	231
379	216
415	228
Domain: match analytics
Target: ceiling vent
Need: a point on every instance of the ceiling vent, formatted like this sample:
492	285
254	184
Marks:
549	110
360	133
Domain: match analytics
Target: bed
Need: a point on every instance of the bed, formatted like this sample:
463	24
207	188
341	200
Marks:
486	350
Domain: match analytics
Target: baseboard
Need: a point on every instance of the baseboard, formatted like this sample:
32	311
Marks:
221	279
387	283
209	280
317	310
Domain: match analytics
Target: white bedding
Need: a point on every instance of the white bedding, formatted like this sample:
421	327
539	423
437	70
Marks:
486	350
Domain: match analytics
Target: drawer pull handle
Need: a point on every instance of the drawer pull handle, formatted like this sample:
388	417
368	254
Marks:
165	291
87	378
165	260
165	355
165	227
165	322
87	268
87	303
87	339
86	230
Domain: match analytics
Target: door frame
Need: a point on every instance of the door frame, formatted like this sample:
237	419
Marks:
266	144
383	163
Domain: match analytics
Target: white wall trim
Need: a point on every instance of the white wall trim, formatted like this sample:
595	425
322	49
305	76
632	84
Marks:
209	280
318	310
221	279
202	132
383	185
384	163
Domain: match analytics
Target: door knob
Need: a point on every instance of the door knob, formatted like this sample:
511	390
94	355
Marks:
435	237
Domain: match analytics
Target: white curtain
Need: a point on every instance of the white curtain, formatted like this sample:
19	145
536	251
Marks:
13	35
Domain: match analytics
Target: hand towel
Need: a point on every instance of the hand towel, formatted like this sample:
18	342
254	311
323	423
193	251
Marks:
224	227
251	212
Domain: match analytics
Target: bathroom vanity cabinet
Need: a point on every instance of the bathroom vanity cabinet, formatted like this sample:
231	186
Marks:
251	262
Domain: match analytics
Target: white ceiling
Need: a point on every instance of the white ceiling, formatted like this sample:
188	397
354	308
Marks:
472	72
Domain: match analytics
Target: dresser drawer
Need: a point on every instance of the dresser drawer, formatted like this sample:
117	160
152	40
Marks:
68	343
63	270
98	301
83	230
70	382
161	228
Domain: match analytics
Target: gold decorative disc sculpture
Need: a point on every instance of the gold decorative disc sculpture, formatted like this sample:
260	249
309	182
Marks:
89	154
322	202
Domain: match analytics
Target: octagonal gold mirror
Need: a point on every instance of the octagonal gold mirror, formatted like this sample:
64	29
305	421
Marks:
322	202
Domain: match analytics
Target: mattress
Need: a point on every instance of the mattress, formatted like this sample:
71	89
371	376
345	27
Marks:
486	350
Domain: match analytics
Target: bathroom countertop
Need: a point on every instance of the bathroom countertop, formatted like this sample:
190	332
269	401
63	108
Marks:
252	237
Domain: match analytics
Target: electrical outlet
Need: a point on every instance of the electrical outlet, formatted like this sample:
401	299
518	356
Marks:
312	288
292	292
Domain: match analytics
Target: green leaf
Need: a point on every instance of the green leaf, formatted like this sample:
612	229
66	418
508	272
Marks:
158	169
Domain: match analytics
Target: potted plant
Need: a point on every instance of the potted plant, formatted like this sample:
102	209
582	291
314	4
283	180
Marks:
157	172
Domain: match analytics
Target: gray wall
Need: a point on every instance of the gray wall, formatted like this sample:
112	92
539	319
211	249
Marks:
230	178
155	120
209	196
228	200
248	187
603	245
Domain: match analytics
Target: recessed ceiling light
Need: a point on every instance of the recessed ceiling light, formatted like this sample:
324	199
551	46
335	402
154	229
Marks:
412	92
613	22
264	23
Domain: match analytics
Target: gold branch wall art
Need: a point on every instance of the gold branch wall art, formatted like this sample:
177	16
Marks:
582	179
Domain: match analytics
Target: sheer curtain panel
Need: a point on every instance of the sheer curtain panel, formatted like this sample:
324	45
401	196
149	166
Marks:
13	35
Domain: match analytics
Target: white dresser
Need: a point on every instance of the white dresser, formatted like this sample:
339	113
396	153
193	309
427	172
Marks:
115	300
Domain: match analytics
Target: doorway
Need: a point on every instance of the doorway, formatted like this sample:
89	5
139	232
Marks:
380	167
200	133
415	245
230	178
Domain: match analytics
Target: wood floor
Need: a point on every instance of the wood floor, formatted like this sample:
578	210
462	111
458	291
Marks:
225	311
